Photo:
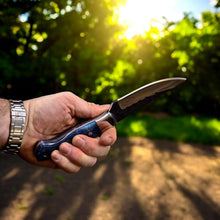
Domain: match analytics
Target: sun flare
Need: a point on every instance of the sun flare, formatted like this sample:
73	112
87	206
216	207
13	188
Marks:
139	15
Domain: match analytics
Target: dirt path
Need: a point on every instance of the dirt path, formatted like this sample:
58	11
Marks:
140	179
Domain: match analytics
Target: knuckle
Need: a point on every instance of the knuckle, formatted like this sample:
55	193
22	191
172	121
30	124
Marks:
92	105
89	147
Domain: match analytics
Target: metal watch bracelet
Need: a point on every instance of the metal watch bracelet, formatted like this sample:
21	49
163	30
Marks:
18	116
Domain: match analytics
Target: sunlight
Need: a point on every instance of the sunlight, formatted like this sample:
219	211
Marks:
138	16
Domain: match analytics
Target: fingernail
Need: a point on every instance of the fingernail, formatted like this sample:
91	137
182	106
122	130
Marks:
65	149
79	142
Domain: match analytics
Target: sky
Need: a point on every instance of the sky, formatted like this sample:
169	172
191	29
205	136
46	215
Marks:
137	15
193	6
171	9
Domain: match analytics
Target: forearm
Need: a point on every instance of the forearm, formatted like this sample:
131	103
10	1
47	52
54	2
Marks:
4	121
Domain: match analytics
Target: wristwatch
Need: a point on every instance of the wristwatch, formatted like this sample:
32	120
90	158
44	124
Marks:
18	116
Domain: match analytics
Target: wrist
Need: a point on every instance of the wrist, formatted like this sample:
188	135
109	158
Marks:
5	122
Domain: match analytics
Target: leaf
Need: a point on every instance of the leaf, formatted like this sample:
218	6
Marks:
49	191
22	207
105	197
60	178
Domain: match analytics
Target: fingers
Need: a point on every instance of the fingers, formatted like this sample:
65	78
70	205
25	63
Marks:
96	147
62	162
70	158
84	109
84	151
91	146
108	137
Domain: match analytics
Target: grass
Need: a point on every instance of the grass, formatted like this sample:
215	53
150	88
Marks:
49	191
183	128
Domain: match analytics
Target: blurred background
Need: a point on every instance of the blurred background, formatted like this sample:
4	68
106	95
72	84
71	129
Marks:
165	163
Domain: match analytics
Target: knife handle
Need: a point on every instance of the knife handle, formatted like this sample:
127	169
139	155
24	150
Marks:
44	148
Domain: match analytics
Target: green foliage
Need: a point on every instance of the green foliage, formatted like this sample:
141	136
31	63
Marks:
49	191
108	83
51	46
217	5
105	197
60	178
56	37
181	128
22	207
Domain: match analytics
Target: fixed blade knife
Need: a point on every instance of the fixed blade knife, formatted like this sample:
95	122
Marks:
118	110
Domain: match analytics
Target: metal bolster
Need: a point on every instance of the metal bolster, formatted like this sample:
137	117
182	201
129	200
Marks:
107	116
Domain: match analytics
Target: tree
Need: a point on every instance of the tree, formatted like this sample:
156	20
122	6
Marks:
48	46
217	4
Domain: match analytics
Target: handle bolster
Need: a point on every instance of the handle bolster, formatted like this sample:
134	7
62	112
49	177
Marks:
107	116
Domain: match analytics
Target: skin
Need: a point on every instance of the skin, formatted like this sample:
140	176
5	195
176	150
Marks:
48	116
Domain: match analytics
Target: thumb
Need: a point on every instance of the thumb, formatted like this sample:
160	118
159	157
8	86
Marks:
85	109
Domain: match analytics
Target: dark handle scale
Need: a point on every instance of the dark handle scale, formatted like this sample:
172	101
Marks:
44	148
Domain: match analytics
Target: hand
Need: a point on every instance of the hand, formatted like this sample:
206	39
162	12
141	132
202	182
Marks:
48	116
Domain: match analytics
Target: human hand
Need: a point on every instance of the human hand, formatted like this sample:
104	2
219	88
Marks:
48	116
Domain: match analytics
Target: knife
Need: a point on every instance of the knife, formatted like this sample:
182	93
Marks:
118	110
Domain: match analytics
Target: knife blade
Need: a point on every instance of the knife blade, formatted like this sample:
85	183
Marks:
118	110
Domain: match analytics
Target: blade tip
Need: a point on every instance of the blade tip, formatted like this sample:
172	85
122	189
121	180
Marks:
180	78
